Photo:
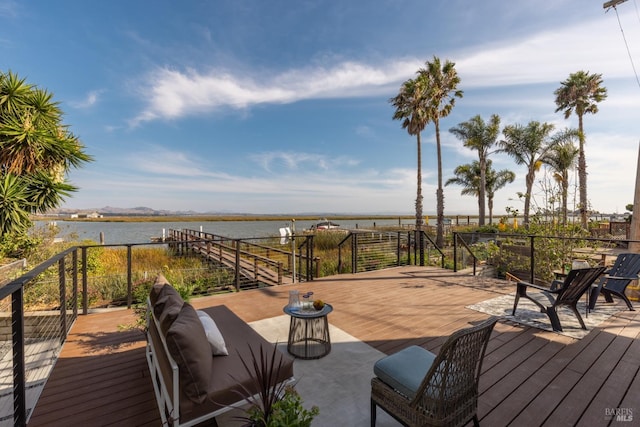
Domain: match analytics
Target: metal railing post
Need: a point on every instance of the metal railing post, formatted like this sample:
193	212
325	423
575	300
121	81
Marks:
312	255
63	300
129	278
455	251
354	253
237	279
533	261
421	250
19	375
306	260
85	279
74	259
255	268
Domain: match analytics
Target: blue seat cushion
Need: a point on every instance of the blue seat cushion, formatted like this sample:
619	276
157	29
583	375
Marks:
405	370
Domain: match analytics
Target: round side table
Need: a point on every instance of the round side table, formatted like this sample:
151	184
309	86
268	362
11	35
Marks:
309	332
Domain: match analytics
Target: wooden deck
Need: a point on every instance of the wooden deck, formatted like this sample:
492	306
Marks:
530	377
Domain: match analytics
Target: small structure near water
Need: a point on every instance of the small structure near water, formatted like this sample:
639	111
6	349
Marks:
325	225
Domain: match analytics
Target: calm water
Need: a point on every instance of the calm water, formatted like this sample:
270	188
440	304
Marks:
142	232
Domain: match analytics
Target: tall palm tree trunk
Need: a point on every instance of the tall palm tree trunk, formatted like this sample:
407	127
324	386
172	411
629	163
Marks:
527	197
419	220
481	190
439	192
582	177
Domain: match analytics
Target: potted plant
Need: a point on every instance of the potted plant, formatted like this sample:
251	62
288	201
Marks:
275	404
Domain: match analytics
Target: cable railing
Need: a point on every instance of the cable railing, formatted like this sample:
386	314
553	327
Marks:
373	250
32	336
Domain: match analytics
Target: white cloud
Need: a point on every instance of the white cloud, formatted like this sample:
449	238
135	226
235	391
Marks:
164	162
173	94
90	100
543	57
365	131
277	161
549	56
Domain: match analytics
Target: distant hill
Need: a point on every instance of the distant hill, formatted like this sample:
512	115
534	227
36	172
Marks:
113	211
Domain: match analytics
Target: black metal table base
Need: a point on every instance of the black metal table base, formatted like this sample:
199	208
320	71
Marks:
309	337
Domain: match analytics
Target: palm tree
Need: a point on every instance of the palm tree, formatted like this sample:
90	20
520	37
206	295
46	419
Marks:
409	104
580	94
441	92
496	181
36	152
561	159
530	145
468	176
479	136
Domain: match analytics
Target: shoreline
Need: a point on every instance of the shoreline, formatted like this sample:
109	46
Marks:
211	218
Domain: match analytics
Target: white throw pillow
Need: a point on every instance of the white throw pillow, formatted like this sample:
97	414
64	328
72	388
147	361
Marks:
218	347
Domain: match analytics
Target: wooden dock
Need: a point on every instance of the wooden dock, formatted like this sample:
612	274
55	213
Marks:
530	377
251	268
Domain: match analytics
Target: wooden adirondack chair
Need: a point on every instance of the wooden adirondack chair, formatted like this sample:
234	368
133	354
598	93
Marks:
615	281
576	283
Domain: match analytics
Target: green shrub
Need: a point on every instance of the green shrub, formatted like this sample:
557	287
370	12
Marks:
289	411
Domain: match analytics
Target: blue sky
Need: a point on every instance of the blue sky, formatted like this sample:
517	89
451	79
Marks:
282	106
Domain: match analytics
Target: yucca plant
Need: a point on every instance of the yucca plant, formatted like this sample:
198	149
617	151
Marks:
275	404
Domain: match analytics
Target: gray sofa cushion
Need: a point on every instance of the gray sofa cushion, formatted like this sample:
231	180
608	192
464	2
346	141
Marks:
188	345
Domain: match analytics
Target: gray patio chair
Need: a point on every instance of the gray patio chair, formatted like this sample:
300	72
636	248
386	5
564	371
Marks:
615	281
576	283
418	388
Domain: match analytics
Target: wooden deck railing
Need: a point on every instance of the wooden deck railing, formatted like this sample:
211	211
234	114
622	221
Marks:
256	262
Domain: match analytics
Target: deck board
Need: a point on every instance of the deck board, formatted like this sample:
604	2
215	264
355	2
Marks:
529	377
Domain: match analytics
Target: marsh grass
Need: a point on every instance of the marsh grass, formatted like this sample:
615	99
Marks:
326	251
107	283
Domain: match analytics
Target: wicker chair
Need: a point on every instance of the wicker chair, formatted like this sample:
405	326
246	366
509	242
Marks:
418	388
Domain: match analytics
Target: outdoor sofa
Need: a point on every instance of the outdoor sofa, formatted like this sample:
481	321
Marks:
197	369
